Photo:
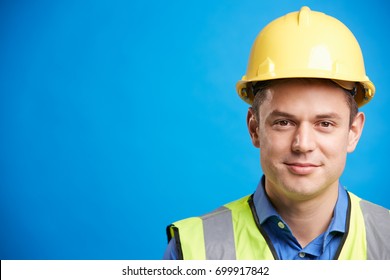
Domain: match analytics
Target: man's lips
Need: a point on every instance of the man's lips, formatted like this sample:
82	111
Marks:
301	168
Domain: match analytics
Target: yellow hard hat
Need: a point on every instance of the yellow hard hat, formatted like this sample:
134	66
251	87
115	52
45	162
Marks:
307	44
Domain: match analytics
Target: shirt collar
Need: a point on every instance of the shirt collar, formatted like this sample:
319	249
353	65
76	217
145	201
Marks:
340	211
265	209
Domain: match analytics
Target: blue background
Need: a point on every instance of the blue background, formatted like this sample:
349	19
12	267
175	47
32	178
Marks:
120	117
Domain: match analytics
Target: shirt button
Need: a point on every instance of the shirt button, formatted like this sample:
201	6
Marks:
301	254
281	225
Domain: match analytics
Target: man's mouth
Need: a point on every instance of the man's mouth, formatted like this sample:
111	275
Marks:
301	168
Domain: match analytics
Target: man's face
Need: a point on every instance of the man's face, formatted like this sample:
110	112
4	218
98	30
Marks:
304	135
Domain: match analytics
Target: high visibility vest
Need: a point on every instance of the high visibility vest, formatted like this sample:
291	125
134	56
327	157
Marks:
233	232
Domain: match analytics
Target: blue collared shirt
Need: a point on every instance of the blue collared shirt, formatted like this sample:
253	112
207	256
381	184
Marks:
324	247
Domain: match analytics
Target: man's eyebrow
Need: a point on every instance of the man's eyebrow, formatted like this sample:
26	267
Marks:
277	113
328	116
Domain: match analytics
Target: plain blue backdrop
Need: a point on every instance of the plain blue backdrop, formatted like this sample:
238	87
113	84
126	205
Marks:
120	117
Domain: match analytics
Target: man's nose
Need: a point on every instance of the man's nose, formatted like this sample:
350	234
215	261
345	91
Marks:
304	139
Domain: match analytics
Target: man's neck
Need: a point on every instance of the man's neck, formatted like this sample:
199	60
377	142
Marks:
307	219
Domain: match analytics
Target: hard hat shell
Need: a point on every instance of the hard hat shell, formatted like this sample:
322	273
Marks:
307	44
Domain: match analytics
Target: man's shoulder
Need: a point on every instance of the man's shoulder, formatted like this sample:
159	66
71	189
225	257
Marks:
225	209
370	206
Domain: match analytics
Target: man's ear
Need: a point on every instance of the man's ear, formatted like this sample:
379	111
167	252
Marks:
355	131
253	127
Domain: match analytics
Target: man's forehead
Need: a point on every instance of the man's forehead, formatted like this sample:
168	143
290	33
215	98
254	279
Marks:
297	98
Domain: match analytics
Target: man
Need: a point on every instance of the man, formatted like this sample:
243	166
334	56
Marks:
305	81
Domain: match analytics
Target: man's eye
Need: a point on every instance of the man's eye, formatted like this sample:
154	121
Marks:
325	124
282	123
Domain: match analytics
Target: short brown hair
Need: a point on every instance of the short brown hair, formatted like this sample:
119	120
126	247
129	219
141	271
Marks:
260	92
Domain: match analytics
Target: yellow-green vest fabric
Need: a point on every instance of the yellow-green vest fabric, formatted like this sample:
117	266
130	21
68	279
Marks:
234	232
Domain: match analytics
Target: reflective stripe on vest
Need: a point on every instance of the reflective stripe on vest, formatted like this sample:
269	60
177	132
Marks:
212	242
378	241
231	232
